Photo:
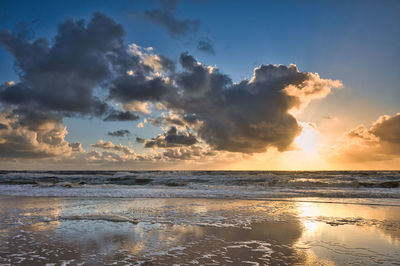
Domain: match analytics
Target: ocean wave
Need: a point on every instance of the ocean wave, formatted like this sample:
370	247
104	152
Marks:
187	192
225	184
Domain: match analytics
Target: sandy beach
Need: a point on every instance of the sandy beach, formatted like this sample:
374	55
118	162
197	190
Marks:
82	231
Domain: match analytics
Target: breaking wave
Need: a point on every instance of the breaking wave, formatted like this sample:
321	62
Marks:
215	184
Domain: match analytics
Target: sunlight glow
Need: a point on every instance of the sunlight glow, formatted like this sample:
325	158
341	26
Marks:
308	139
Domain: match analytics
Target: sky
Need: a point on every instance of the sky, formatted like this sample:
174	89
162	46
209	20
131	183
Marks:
210	85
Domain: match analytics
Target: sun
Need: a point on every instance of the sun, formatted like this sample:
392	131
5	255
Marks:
308	139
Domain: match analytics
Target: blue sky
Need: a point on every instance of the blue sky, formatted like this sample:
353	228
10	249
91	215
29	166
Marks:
355	42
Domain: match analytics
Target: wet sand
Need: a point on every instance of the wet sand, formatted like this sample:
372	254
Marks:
96	231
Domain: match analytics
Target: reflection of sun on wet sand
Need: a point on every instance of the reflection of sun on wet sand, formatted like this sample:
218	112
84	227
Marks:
346	232
197	231
383	219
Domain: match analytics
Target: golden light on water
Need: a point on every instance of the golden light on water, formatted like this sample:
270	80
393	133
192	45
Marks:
310	226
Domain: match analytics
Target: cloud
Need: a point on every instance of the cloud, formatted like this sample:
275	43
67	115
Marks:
379	142
119	133
174	26
181	122
155	62
126	89
171	138
37	135
387	129
249	116
123	154
177	28
312	88
114	154
61	76
188	153
140	140
58	79
138	106
121	116
384	135
206	46
76	147
110	146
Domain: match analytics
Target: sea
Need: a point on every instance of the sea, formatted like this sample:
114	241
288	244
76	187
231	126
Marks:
200	217
203	184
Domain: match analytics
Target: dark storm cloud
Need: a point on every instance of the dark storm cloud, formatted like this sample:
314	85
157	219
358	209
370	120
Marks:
33	120
14	94
197	80
190	119
174	26
128	88
166	63
206	46
62	75
57	79
140	140
249	116
119	133
171	138
121	116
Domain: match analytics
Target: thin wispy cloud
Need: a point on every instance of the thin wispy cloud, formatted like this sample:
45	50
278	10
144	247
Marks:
177	28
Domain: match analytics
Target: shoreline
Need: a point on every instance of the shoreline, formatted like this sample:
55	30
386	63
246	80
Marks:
324	200
186	230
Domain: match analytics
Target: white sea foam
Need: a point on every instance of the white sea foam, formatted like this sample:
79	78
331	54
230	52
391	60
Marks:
187	192
100	217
